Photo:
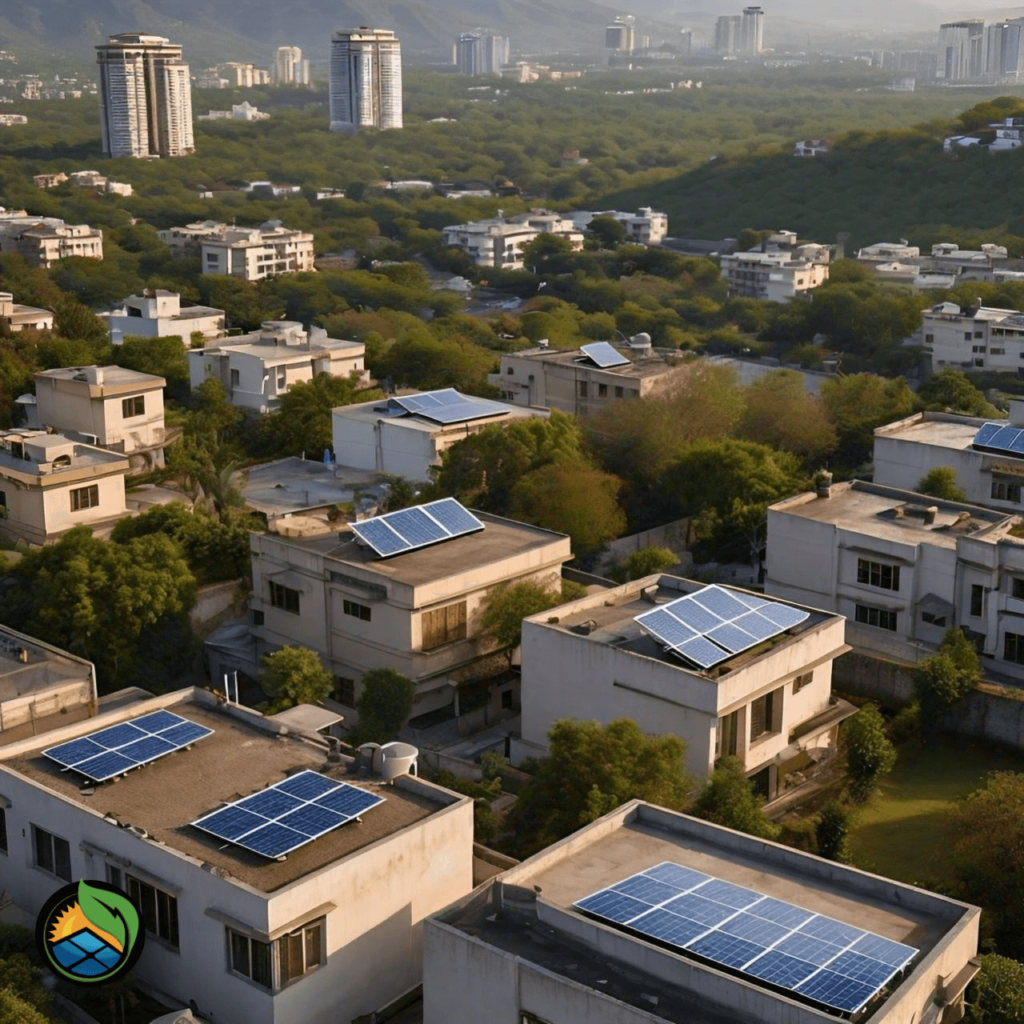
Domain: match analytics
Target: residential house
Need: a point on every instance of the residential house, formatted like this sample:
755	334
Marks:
50	483
572	935
645	227
18	317
49	180
778	270
812	147
256	253
243	111
889	252
158	313
329	931
108	406
405	435
44	240
256	369
770	703
419	612
573	381
499	242
973	338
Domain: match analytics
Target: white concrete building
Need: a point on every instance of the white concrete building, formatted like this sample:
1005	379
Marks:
976	338
19	317
499	242
255	253
519	950
145	97
44	240
256	369
903	568
571	381
752	31
646	226
289	67
770	705
889	252
51	483
778	272
244	75
387	436
419	612
330	932
811	147
113	408
366	80
961	50
158	313
243	111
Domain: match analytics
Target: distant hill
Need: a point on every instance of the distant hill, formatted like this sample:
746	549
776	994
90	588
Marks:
212	30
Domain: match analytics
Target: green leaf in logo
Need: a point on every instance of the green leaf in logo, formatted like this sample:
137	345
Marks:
113	913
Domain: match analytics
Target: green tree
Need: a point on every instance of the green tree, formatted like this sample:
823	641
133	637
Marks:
869	753
15	1010
401	494
21	979
987	855
947	677
163	357
645	562
857	404
607	231
781	414
384	704
543	248
590	770
728	798
832	832
996	996
940	482
295	675
949	390
508	604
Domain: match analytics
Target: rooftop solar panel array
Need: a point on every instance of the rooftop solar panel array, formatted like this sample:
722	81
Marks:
818	957
604	355
447	406
284	817
713	624
1001	438
113	751
412	528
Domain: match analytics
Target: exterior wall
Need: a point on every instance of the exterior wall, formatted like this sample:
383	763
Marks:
51	701
973	342
389	446
38	514
129	326
261	257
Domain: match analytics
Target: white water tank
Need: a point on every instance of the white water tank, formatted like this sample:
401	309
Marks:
393	759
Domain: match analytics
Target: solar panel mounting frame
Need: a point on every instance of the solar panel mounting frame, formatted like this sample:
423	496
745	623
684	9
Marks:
604	355
377	532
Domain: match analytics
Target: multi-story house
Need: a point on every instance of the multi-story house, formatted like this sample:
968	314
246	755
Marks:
44	240
158	313
646	226
778	271
18	317
255	253
499	242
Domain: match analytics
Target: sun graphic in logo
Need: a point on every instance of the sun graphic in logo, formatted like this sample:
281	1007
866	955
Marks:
90	933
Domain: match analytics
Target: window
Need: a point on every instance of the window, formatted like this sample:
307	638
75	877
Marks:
765	714
1013	648
725	738
977	348
602	390
3	498
880	617
284	598
932	619
211	257
801	681
282	378
967	335
85	497
979	334
997	352
236	378
929	339
977	600
875	574
3	830
583	389
357	611
444	626
52	853
979	362
250	958
345	691
159	910
257	616
510	371
619	393
1004	491
133	406
300	951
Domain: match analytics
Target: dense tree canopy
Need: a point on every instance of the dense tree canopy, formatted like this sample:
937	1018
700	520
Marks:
295	675
728	798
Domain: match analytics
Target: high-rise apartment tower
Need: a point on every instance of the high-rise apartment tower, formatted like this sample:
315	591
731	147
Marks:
481	53
289	67
620	35
752	31
145	97
366	80
961	50
727	33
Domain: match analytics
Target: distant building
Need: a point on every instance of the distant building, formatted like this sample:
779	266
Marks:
256	369
51	484
620	35
249	253
243	75
481	53
243	111
49	180
18	317
210	78
779	270
961	50
289	67
728	33
499	242
9	120
812	147
145	97
976	338
646	226
752	31
366	80
1004	49
44	240
158	313
887	252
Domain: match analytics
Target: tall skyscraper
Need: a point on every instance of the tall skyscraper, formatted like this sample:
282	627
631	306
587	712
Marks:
481	53
145	97
289	67
366	80
961	50
752	31
1004	49
727	33
467	54
620	35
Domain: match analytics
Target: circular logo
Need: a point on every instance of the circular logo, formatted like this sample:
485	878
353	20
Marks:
90	933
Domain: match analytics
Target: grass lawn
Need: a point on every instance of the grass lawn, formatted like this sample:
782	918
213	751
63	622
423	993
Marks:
901	831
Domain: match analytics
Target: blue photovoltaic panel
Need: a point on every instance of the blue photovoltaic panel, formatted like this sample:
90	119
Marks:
986	433
784	945
290	814
725	623
604	355
1017	444
119	748
412	528
447	406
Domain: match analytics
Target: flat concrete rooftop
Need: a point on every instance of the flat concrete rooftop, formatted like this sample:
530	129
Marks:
239	759
294	484
653	366
42	669
500	539
937	429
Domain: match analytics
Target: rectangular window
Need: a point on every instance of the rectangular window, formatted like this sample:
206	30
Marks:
3	830
725	740
282	377
133	406
997	352
619	392
85	497
1013	648
250	958
53	854
357	611
1017	586
444	626
1004	491
345	691
876	574
159	910
583	389
761	712
3	498
602	390
880	617
801	681
929	339
236	378
931	619
300	952
284	598
977	600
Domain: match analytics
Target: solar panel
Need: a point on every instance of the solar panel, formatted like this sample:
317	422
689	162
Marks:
412	528
824	960
288	815
447	406
986	433
713	623
604	355
119	748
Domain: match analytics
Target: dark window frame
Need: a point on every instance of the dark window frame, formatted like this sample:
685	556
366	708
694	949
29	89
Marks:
85	498
159	909
51	853
1013	647
880	618
357	611
132	407
977	600
878	574
284	598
